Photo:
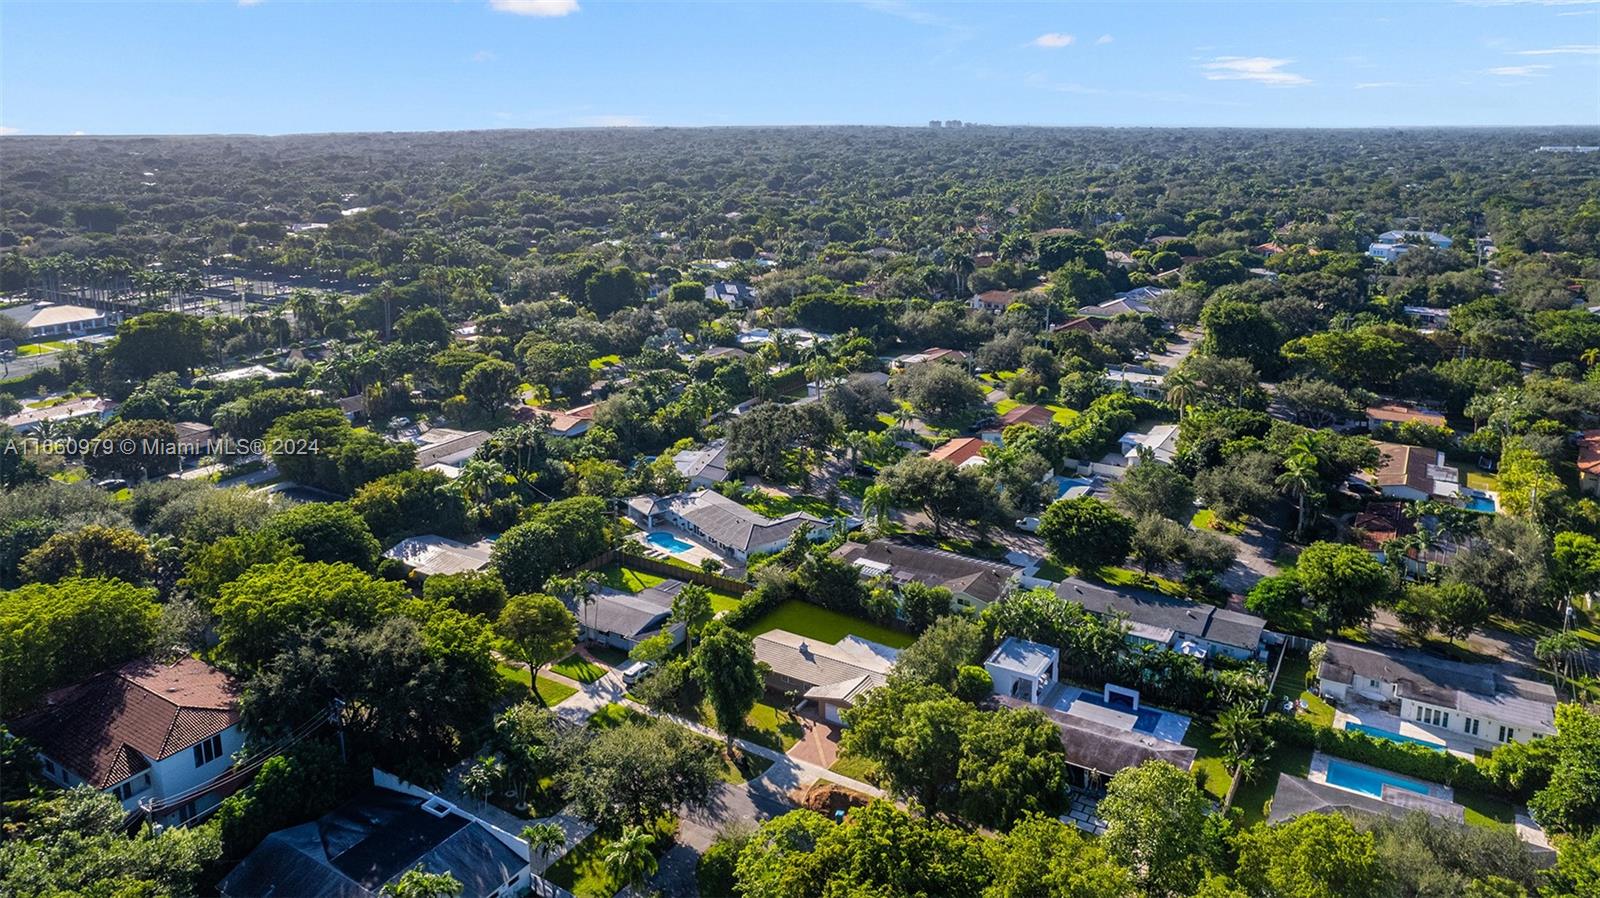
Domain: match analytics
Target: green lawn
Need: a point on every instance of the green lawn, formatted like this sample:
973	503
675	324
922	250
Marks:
1486	810
1052	570
830	626
1121	576
599	362
612	715
554	691
1206	519
773	506
42	348
577	667
743	767
856	768
1208	760
773	728
607	655
582	871
616	576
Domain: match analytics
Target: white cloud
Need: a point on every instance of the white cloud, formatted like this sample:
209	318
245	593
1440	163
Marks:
613	121
1260	69
484	56
544	9
1377	85
1564	50
7	129
1518	71
1102	40
1053	40
79	133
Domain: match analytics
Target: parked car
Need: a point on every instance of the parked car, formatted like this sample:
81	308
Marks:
1028	524
634	671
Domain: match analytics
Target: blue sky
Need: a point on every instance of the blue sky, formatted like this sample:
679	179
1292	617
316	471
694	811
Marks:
279	66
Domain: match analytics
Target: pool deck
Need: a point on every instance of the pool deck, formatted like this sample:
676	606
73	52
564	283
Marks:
1169	727
1455	743
696	552
1319	774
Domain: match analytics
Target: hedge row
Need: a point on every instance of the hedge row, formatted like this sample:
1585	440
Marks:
1407	759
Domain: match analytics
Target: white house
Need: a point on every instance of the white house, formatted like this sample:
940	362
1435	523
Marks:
1474	701
157	736
48	319
731	294
704	467
1161	440
1189	628
1415	473
1023	670
832	675
623	620
1391	245
1143	384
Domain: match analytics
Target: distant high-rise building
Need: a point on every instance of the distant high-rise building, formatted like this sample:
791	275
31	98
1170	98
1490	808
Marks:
952	123
935	123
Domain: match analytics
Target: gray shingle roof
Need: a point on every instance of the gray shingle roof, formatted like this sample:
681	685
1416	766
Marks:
1096	746
1477	689
811	661
983	580
628	615
1218	625
725	521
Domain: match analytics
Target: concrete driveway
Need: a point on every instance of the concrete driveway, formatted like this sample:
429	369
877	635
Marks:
750	804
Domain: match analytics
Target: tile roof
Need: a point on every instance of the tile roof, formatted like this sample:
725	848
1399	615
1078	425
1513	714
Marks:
1400	413
1037	415
959	451
1589	452
115	723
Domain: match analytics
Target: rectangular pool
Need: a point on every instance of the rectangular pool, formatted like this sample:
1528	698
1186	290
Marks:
1482	504
1380	733
1368	781
661	539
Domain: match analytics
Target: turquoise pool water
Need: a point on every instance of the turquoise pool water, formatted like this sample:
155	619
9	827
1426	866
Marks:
1367	781
1066	483
661	539
1378	733
1482	504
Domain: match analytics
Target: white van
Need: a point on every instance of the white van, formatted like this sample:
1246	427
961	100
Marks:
634	671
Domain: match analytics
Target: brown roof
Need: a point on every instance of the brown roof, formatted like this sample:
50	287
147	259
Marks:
959	450
1589	452
1037	415
1083	323
1000	298
983	580
1406	466
1381	522
1400	413
115	723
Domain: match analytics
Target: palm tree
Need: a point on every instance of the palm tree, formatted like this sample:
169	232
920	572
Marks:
630	858
482	778
875	505
1243	737
1563	653
1590	357
1299	478
417	883
544	838
1182	388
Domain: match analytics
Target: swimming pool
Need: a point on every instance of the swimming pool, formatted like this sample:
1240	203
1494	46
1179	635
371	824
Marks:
661	539
1368	781
1065	484
1145	721
1379	733
1481	503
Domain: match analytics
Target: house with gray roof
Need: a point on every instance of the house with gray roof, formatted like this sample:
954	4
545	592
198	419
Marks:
1097	749
624	619
704	467
730	528
1187	627
1475	701
972	583
371	841
833	675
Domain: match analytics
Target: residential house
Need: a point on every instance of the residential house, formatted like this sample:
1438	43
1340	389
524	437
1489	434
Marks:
732	295
1130	302
1097	749
1589	462
1083	324
1397	413
248	372
431	554
572	422
934	354
1297	796
834	676
1187	627
963	452
1427	317
973	584
157	736
623	620
194	437
1391	245
47	319
1023	670
1415	474
1475	701
1161	441
993	301
718	353
1034	415
732	529
30	419
443	446
1144	384
370	841
704	467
